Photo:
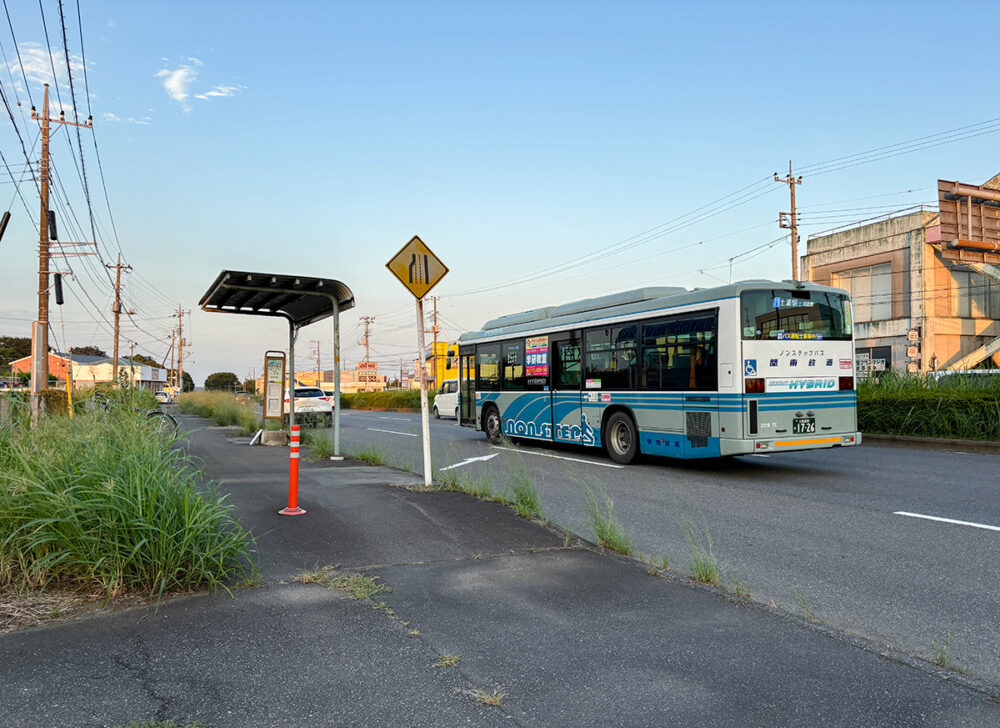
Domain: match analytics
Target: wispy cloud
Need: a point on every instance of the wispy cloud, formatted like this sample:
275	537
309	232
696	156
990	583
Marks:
177	81
221	91
38	64
115	119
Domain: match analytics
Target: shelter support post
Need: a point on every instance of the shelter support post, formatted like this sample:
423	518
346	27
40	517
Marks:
336	380
291	374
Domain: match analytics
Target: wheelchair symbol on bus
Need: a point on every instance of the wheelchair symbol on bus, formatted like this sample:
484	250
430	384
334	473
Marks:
749	367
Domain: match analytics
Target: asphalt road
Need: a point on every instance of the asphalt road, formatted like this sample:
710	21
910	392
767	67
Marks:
814	532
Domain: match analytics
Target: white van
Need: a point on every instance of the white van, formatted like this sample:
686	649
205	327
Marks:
446	400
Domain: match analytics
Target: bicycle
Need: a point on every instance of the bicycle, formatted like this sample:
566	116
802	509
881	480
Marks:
164	421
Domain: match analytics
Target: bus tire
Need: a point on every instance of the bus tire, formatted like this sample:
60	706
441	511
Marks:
621	441
491	424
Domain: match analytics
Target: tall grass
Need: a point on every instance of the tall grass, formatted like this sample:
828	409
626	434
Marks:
104	502
221	407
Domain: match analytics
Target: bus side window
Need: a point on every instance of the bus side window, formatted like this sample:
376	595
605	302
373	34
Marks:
488	368
568	364
513	365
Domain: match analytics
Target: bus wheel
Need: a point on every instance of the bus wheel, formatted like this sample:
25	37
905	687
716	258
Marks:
491	424
620	438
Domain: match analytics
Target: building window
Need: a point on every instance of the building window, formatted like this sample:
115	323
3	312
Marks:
976	296
871	291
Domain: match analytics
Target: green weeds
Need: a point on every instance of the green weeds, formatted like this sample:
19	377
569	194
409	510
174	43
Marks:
358	586
370	454
607	529
804	608
103	501
704	566
525	500
447	661
942	656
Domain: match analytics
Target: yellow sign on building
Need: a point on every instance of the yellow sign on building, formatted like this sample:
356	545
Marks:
417	267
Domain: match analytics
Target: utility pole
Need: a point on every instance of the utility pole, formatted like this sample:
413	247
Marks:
434	329
117	311
180	346
319	372
788	220
131	362
40	330
171	371
367	321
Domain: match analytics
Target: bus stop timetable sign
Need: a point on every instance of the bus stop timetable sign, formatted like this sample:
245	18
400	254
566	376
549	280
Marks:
417	267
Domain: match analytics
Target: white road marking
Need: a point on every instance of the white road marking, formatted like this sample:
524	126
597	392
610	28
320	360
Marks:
759	455
947	520
472	460
559	457
400	419
392	432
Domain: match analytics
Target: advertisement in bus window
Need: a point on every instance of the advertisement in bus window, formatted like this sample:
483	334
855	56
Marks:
536	350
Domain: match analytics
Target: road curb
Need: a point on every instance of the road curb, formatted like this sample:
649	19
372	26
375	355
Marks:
990	447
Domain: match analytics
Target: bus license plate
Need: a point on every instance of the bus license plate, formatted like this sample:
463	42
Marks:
803	425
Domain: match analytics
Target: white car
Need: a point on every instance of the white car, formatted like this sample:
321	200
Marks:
446	400
163	397
311	406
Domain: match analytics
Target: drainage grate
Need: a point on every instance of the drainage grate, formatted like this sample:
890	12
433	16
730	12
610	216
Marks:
699	428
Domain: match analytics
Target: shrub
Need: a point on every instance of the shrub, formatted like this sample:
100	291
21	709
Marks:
395	399
957	407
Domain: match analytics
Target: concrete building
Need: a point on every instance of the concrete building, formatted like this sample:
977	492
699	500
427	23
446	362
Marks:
440	363
363	379
925	293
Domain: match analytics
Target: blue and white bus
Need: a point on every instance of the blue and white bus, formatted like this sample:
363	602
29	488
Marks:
752	367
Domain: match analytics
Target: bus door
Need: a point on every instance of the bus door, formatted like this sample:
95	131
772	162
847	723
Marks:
564	385
467	386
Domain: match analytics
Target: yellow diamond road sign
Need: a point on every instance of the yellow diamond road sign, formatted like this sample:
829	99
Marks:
417	267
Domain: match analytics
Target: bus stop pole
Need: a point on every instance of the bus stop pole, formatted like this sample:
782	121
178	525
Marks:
336	380
291	374
424	421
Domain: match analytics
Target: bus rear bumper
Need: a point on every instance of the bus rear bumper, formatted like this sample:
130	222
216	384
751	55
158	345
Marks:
804	442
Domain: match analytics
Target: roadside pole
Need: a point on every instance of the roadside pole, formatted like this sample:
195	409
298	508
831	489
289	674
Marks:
419	270
425	426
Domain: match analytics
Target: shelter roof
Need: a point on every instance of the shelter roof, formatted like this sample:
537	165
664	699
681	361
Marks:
300	299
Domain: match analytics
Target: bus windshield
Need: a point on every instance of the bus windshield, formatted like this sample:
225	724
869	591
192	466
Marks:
781	314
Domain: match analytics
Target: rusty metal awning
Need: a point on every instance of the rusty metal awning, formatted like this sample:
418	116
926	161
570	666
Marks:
300	299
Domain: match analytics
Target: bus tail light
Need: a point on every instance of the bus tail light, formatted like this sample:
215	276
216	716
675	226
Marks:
755	386
846	383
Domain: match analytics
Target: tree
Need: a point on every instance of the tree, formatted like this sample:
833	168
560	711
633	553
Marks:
250	385
13	348
88	351
147	360
188	384
222	380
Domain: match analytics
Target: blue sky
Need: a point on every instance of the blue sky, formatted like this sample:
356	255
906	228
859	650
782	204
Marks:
316	138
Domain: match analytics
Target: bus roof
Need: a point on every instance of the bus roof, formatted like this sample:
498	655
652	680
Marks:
635	302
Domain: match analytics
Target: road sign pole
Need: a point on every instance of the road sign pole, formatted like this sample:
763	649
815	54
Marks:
424	419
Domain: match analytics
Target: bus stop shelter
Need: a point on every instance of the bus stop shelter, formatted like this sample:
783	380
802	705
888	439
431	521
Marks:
298	299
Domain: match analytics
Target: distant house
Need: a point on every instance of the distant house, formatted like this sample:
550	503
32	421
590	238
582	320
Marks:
89	371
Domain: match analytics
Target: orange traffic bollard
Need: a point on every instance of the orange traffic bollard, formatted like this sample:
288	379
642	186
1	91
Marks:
293	477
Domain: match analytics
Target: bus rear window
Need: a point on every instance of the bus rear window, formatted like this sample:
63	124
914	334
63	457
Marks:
795	315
